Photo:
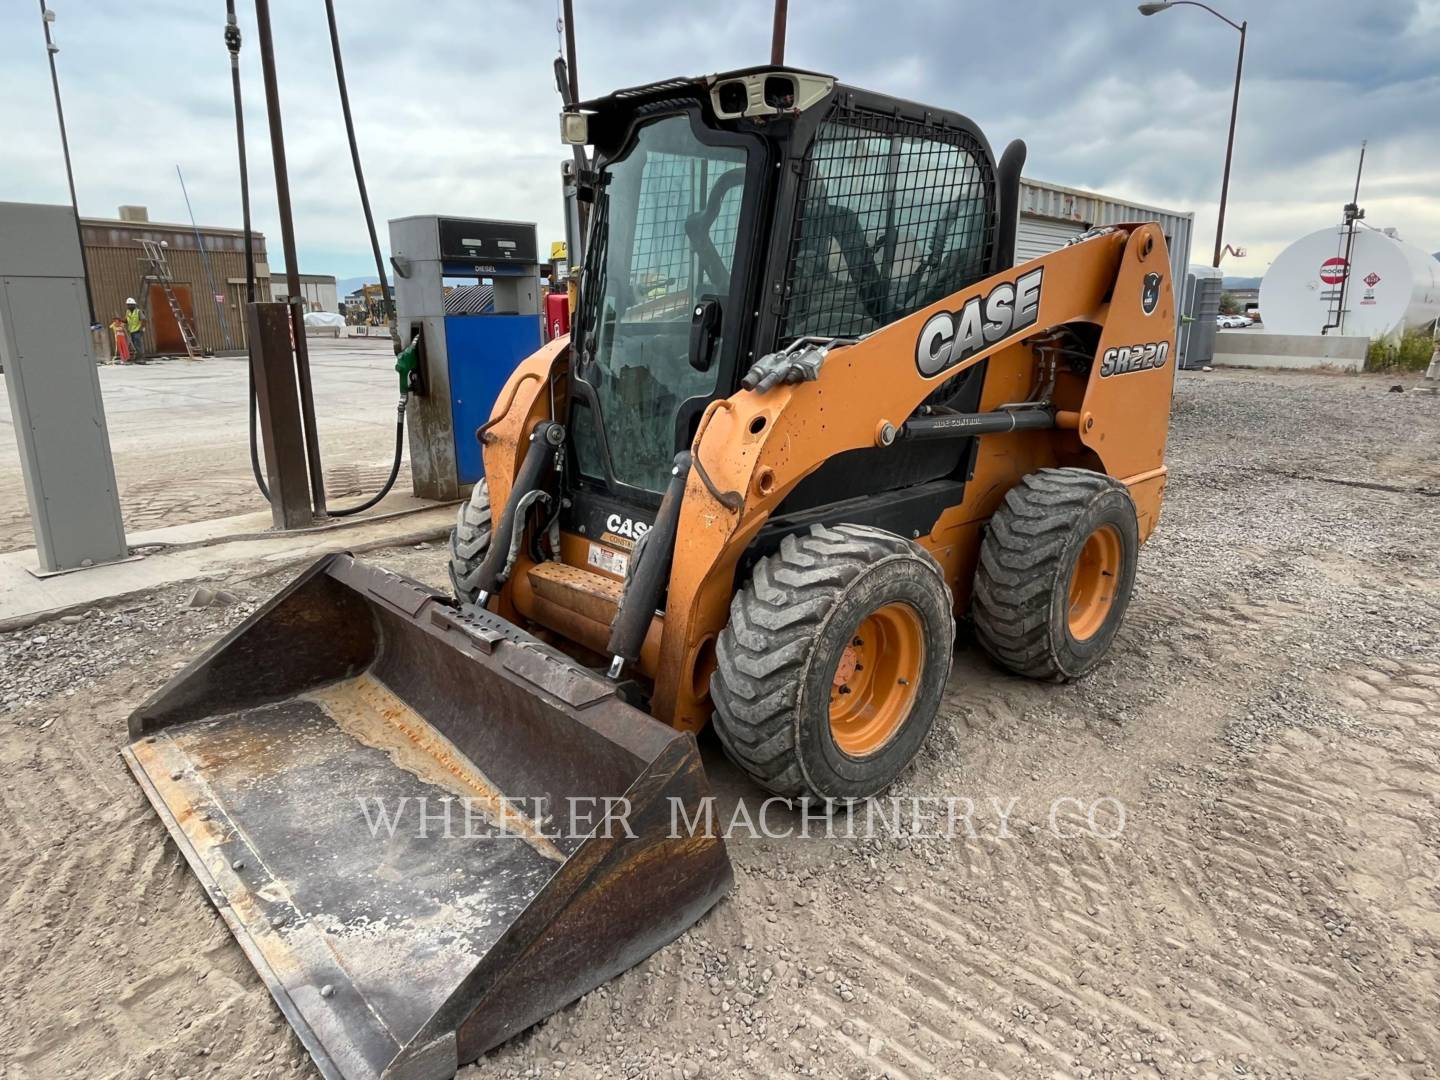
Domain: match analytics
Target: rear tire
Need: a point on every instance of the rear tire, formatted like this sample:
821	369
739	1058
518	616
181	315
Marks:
469	541
831	668
1057	567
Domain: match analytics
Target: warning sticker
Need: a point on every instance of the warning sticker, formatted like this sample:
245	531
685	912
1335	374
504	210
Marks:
612	562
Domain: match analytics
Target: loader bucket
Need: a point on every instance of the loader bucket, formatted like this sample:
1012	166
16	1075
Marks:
398	806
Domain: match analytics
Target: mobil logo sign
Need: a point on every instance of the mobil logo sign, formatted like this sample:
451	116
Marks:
1332	271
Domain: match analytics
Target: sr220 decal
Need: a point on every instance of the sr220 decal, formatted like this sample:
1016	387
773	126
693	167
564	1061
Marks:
1124	359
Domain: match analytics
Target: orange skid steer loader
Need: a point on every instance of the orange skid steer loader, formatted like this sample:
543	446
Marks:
811	413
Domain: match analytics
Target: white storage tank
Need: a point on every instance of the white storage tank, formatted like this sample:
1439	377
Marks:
1391	285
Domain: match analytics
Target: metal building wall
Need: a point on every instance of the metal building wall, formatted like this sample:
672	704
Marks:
1050	214
117	270
317	290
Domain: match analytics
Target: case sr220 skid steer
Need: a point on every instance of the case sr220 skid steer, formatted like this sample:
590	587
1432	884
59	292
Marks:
810	414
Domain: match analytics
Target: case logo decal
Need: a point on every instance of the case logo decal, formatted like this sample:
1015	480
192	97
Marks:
949	338
629	528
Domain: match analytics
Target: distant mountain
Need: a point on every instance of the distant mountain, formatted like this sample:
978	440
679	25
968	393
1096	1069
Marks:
1242	283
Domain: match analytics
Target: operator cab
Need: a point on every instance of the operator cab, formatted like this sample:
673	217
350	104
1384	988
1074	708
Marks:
733	214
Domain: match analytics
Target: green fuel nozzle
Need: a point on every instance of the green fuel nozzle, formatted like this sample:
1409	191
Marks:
407	363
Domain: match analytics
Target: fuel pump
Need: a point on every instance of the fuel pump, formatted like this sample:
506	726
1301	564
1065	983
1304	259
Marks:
470	288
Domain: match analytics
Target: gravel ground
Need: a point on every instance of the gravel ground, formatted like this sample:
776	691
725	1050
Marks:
1269	721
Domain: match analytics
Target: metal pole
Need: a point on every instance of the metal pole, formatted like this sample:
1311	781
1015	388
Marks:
570	68
205	262
232	42
576	256
268	336
1229	148
777	38
292	274
1352	213
50	50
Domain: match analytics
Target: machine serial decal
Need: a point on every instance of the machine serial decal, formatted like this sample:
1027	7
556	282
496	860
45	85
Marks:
1150	294
1124	359
950	338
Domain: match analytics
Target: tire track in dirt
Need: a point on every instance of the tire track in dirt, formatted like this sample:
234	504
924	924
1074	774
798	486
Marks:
1241	894
114	962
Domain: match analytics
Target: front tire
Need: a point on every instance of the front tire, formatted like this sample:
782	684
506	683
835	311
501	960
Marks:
831	669
469	541
1057	567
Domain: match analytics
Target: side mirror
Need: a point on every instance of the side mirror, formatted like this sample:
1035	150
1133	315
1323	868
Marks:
704	332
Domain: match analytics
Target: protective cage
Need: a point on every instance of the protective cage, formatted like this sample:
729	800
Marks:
892	215
356	696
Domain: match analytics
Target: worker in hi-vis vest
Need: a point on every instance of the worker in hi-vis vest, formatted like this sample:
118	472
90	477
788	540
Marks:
135	327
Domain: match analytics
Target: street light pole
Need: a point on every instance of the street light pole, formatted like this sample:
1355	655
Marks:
46	18
1156	8
1229	147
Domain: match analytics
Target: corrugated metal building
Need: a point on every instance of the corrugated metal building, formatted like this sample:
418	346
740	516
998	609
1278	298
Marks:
118	269
317	290
1050	215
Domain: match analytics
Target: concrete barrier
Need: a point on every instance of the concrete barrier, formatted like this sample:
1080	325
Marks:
1259	349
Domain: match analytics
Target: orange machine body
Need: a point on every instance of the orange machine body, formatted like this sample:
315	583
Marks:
1112	418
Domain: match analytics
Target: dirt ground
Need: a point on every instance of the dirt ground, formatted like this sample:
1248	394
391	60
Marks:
1270	721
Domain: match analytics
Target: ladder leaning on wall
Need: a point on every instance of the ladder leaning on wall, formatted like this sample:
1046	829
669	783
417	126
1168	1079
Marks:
160	273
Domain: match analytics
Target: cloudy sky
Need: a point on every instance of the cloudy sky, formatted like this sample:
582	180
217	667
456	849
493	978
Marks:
456	107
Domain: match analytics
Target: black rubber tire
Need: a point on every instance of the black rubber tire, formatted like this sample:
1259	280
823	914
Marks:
1022	585
469	541
776	658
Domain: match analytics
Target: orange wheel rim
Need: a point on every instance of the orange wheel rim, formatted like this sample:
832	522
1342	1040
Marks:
877	679
1093	582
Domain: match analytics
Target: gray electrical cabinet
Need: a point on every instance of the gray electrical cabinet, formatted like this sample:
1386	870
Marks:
54	389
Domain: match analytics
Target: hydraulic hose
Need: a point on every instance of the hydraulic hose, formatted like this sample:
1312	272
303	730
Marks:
232	43
379	269
359	172
404	366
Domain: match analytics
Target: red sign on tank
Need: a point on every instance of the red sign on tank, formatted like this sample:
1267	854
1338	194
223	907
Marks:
1332	271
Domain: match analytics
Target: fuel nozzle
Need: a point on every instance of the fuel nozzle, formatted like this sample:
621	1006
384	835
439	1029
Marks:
407	364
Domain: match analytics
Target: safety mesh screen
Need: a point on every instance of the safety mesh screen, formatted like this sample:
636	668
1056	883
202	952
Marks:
663	265
893	215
